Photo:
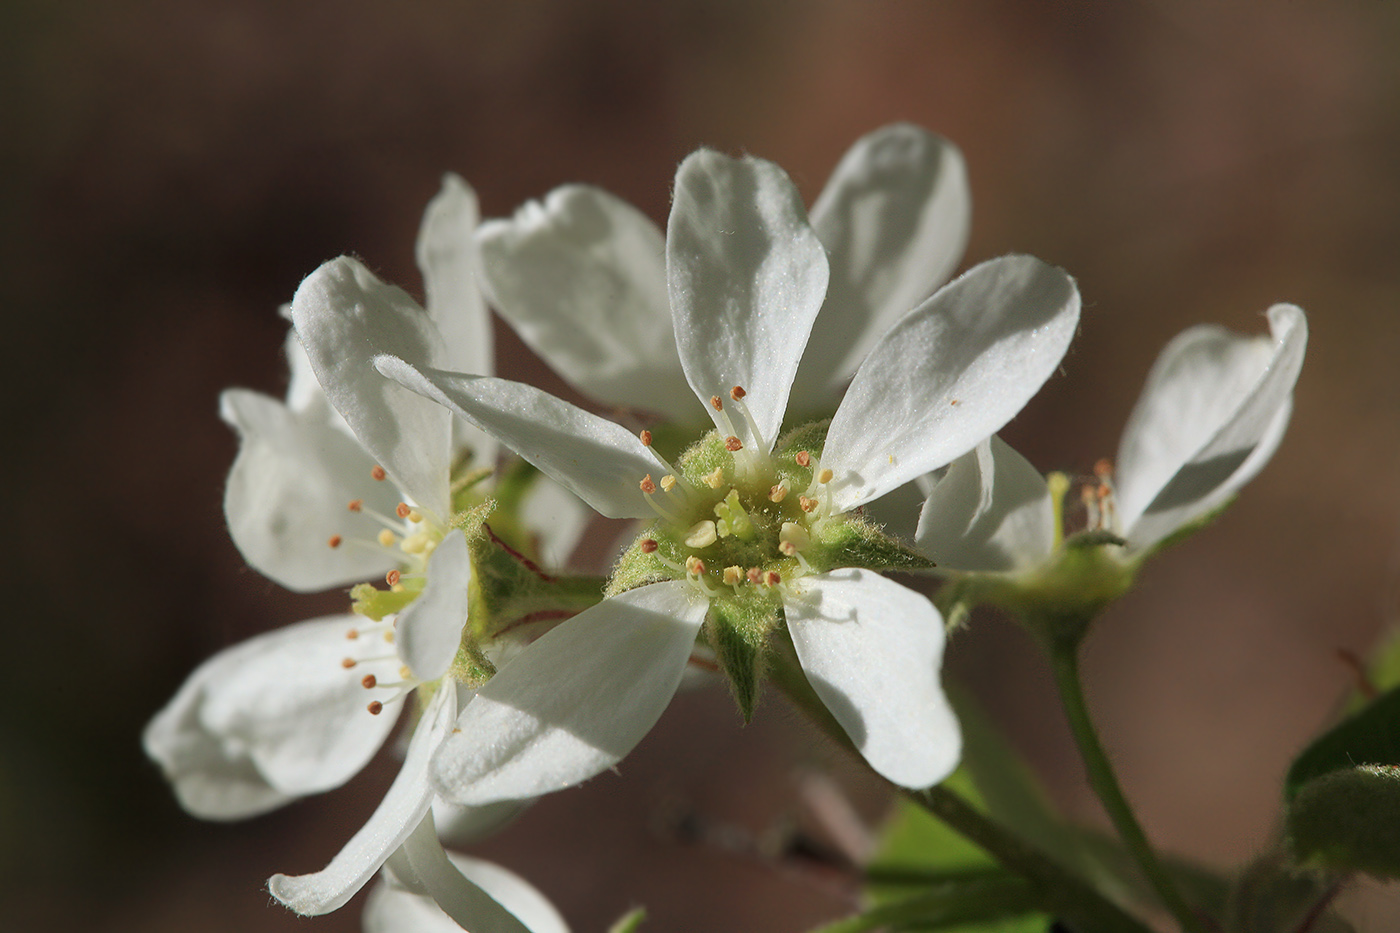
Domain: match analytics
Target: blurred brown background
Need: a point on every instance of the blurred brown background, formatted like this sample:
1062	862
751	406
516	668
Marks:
170	170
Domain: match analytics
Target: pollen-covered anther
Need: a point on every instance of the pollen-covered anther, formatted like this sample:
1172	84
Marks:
803	458
772	578
405	672
715	478
334	541
353	634
368	681
808	504
645	438
778	493
649	545
754	575
348	663
825	476
375	708
733	576
647	485
392	577
668	482
402	510
389	636
386	538
415	516
737	393
716	404
378	473
733	444
356	505
701	534
694	566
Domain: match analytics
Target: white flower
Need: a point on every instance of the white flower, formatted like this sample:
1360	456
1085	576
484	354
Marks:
581	276
747	276
351	478
1213	412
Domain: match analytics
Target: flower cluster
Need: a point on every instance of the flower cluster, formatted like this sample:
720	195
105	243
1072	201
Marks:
782	380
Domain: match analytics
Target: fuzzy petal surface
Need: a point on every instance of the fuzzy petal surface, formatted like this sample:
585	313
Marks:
872	650
268	720
1212	399
576	701
599	461
429	631
747	276
345	317
950	374
581	277
894	219
559	517
990	512
448	258
287	494
398	814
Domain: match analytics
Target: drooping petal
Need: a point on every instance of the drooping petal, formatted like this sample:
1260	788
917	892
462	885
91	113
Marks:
747	275
398	814
576	701
447	255
558	517
599	461
287	495
894	219
429	631
266	721
1212	399
872	650
345	317
990	512
582	278
289	702
949	374
463	826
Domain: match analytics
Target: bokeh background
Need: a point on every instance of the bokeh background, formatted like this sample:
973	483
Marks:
170	170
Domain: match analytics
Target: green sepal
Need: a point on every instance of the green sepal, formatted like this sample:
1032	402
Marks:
1349	820
637	568
508	588
737	629
471	666
373	603
1370	737
855	542
629	922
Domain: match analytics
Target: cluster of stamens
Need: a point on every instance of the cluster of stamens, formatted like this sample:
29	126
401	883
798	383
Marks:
1101	511
410	533
366	640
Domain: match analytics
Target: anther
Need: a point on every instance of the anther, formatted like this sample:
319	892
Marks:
803	458
645	438
737	393
1103	468
368	681
392	577
404	671
647	485
694	566
714	479
389	636
754	575
733	576
715	403
353	634
733	444
808	505
378	473
415	516
356	505
334	541
772	578
402	510
649	546
386	538
701	534
375	708
348	663
778	493
825	476
668	482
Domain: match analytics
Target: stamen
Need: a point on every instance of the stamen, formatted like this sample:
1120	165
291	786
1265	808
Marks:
702	534
803	458
715	403
352	634
418	543
334	541
404	672
772	578
1103	469
375	708
668	482
386	538
715	479
694	566
645	437
733	576
649	546
356	505
389	635
402	510
733	444
792	538
808	505
825	476
647	485
348	663
778	493
368	681
754	576
737	394
415	516
392	577
378	473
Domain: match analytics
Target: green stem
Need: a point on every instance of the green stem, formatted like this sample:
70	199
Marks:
1064	658
1060	891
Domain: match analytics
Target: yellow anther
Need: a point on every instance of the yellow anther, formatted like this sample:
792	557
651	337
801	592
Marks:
668	482
404	672
694	566
825	476
417	543
389	636
353	634
778	493
387	538
715	479
733	576
701	534
397	588
794	535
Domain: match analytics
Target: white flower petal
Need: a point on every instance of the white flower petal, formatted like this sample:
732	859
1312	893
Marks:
894	218
429	631
1212	400
574	702
447	256
872	651
747	275
345	317
483	898
950	374
599	461
462	826
558	517
287	495
991	512
265	721
286	699
582	278
398	814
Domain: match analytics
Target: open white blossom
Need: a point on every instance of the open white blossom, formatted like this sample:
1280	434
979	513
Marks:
582	275
1213	412
754	530
350	478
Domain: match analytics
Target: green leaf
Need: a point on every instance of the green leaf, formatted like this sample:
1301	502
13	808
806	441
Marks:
1371	737
629	922
1349	820
984	901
